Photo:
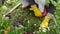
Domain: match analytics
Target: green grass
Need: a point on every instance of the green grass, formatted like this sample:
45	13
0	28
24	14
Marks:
27	20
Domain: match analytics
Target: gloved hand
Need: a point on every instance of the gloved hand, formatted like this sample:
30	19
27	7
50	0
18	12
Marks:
46	20
44	23
37	12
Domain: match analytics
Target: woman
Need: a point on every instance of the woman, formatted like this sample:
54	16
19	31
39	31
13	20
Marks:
41	11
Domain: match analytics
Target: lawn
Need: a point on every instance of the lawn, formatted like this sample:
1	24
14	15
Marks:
24	21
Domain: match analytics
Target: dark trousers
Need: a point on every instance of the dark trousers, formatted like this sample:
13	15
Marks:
51	8
32	2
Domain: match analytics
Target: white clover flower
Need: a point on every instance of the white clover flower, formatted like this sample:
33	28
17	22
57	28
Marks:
34	24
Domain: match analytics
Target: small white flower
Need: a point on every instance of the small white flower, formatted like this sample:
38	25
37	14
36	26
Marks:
34	24
33	32
48	29
28	21
44	30
21	26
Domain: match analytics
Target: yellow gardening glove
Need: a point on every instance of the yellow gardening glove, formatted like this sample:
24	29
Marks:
46	20
37	12
44	24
